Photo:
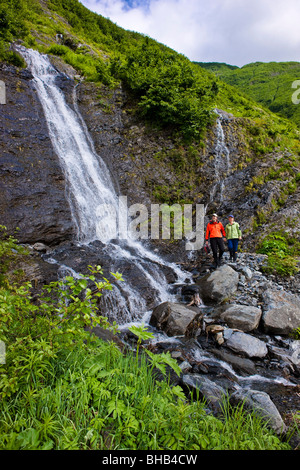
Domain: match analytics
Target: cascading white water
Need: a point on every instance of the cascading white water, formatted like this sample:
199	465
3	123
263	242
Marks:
91	193
89	184
221	163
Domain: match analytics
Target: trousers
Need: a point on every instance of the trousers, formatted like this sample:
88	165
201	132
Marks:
217	245
233	245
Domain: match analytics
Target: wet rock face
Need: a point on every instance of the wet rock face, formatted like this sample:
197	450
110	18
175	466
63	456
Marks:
219	285
247	344
175	319
32	185
281	312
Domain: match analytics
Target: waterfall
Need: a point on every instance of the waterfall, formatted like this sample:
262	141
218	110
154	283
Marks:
91	194
89	184
221	163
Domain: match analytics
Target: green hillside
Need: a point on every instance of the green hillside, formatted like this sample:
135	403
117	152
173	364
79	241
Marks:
217	67
168	90
267	83
62	388
167	87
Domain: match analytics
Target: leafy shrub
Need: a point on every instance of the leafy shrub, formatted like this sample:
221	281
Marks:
9	249
296	333
13	25
58	49
280	254
170	89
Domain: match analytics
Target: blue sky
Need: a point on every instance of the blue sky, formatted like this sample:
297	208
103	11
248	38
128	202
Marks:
234	31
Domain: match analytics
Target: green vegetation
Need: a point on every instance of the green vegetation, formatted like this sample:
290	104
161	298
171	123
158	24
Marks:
13	25
169	89
296	333
282	252
93	68
63	388
216	67
269	84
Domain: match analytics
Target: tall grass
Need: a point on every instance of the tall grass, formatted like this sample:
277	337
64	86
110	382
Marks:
99	398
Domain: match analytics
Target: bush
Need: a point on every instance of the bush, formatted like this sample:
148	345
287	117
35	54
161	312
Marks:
280	253
93	68
171	90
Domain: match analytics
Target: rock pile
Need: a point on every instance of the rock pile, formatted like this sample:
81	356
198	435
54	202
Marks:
239	341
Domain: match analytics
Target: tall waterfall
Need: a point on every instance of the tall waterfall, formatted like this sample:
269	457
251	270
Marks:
89	184
91	193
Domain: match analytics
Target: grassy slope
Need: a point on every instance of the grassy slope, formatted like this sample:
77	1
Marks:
56	413
105	50
267	83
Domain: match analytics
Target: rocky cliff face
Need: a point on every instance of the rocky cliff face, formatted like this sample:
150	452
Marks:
31	180
221	172
147	165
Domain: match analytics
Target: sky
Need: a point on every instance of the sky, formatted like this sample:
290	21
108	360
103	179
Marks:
237	32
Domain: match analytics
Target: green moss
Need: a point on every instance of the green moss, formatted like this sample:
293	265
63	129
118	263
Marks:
283	252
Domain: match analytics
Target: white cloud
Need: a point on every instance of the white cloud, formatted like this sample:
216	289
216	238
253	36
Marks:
232	31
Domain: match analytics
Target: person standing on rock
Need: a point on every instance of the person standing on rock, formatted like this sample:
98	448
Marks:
233	235
215	233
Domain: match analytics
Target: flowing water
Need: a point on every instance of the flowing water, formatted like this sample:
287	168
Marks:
221	164
96	207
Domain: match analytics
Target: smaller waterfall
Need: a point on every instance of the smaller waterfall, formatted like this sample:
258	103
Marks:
222	164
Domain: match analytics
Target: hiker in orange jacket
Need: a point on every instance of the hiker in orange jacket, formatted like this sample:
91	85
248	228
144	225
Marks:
214	233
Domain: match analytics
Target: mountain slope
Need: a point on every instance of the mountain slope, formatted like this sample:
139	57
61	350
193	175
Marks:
168	88
271	84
